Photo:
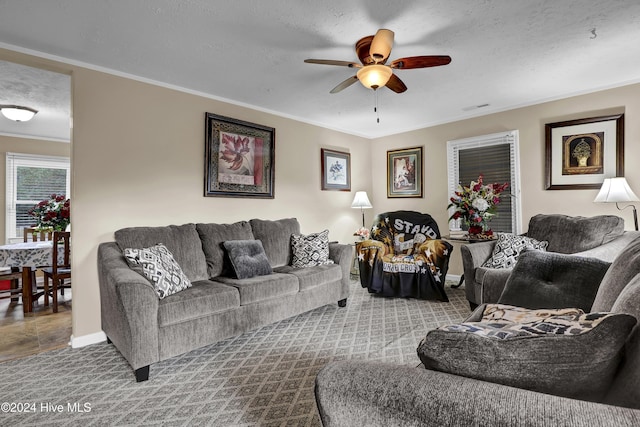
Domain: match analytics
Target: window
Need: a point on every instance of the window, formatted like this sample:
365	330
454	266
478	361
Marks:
30	179
496	157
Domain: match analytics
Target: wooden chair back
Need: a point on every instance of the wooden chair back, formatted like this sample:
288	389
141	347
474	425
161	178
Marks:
61	241
33	235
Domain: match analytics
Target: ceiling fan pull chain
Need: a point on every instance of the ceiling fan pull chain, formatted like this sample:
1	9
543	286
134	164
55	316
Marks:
375	107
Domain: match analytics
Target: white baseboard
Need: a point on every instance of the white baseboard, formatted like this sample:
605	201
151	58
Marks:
454	277
85	340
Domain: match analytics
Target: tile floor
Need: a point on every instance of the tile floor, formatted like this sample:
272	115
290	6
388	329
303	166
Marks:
40	331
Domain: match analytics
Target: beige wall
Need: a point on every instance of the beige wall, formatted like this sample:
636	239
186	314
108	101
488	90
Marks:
137	159
10	144
530	123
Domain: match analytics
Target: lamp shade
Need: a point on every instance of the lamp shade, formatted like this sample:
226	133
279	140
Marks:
381	45
616	190
374	76
361	201
17	113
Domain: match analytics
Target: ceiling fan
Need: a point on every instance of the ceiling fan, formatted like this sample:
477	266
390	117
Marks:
373	73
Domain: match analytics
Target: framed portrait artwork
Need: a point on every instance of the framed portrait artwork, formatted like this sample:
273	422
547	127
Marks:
239	158
580	154
336	170
404	172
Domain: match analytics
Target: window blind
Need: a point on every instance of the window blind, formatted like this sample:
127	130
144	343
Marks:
30	179
495	156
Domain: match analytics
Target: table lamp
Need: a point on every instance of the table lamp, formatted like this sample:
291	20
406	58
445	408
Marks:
616	190
361	201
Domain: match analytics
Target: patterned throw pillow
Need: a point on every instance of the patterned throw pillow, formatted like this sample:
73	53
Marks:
160	268
310	250
508	248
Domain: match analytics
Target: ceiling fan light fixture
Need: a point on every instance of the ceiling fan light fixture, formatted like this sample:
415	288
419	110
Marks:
17	113
374	76
381	45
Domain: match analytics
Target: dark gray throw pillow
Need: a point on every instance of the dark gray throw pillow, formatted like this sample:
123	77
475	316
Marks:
575	358
551	280
247	258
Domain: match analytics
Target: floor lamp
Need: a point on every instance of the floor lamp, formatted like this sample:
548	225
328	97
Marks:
616	190
361	201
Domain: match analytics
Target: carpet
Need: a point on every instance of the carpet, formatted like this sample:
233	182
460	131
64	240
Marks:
261	378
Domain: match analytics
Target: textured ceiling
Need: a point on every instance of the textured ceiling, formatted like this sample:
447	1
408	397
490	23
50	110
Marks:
505	53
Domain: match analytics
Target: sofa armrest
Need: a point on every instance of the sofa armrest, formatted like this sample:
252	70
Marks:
129	308
473	256
342	255
378	394
609	251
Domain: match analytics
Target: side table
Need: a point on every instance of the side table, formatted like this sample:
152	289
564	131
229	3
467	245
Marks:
463	240
354	273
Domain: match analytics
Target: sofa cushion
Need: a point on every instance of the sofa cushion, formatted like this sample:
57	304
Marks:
551	280
565	353
508	247
203	298
247	258
571	234
625	391
181	240
213	236
623	269
160	268
261	288
310	277
276	238
310	250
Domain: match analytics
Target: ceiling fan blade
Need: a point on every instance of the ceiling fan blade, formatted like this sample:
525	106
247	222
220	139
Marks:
333	62
345	84
395	84
420	61
362	50
381	45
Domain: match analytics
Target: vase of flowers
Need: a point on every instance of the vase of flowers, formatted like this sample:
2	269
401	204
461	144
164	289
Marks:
363	233
476	205
52	213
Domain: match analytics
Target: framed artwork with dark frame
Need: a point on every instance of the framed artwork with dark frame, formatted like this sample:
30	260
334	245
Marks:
239	158
580	154
404	173
336	170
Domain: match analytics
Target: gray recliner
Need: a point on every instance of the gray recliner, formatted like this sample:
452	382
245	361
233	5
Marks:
601	237
378	394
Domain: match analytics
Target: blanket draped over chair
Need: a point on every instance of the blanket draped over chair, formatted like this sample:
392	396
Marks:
405	257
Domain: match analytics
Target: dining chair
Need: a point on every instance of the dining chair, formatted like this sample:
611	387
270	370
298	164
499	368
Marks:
60	269
13	275
32	234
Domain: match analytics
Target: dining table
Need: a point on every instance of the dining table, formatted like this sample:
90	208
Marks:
28	256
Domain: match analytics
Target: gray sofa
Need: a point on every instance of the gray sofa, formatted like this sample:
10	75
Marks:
601	237
356	393
147	329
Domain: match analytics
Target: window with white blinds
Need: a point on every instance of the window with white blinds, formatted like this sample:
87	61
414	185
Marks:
495	157
30	179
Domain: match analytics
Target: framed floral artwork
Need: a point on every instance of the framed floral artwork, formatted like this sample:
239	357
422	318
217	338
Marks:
404	173
580	154
336	170
239	158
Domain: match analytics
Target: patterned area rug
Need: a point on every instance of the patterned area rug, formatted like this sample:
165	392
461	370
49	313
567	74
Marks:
262	378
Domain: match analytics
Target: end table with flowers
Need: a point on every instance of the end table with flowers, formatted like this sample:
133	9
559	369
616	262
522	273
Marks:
476	205
52	214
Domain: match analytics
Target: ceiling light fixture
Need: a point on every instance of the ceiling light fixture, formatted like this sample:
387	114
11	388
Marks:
17	113
374	76
381	45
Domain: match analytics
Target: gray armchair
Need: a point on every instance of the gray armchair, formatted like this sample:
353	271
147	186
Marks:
601	237
377	394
